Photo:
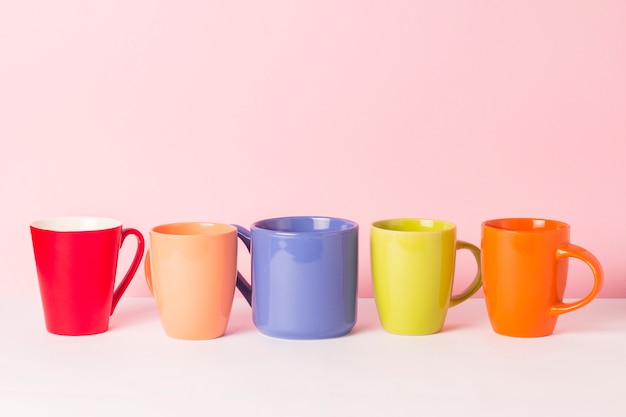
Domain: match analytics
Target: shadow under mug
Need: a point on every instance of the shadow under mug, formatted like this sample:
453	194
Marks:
525	263
76	259
304	276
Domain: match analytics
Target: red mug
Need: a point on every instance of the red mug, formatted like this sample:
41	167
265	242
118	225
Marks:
76	259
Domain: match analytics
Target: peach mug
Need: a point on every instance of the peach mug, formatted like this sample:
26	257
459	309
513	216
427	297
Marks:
191	270
525	263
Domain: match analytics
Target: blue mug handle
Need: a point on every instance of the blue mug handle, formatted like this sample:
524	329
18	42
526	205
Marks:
243	285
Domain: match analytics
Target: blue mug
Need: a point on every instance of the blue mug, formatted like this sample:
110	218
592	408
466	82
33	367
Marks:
304	276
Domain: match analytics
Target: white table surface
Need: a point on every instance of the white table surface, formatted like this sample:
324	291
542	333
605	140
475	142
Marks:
134	369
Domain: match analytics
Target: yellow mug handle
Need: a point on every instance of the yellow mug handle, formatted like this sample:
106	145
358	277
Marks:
476	283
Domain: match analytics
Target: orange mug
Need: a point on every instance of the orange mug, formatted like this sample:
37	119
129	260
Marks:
524	264
191	270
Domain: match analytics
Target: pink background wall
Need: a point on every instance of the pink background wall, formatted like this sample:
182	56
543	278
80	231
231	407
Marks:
230	111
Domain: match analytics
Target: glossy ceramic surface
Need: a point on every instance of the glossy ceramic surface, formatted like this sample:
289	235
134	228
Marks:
525	264
304	276
76	259
413	264
191	270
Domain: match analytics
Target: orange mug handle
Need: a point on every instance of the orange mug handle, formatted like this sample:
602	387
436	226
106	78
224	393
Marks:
574	251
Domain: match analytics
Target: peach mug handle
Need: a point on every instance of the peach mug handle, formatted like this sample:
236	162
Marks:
584	255
148	271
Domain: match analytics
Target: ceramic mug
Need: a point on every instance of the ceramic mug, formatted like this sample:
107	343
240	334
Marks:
413	265
191	269
525	264
76	259
304	276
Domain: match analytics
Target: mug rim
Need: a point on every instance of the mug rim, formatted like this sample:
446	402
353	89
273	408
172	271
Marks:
74	224
378	225
350	225
530	225
194	229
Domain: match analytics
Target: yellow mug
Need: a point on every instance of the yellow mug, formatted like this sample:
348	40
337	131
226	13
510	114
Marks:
191	270
413	263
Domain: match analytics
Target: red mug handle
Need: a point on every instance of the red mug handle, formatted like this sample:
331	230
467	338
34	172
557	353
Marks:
133	266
